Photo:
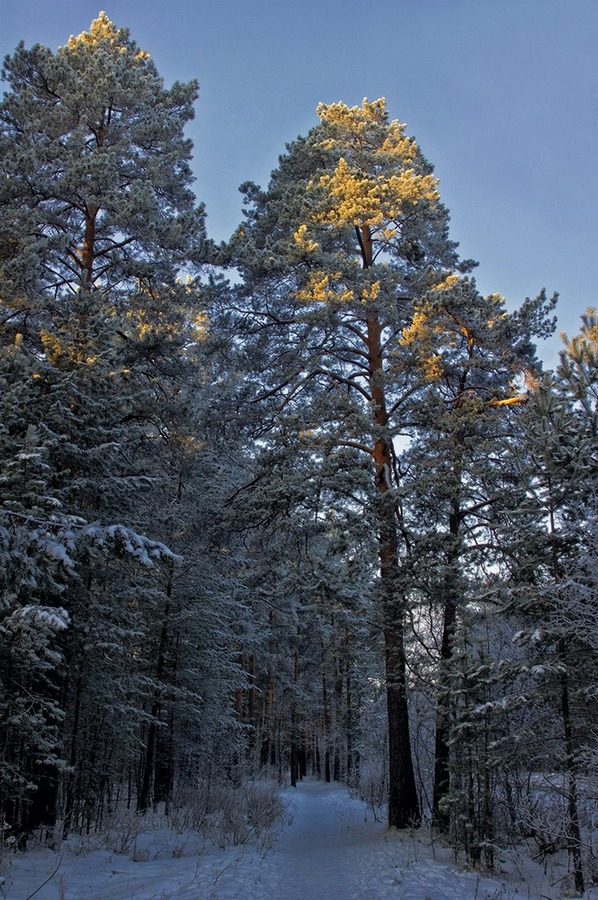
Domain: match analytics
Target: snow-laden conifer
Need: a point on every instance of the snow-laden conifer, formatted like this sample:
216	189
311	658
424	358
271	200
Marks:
99	231
349	232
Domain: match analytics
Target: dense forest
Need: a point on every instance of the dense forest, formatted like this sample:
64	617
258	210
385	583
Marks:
304	503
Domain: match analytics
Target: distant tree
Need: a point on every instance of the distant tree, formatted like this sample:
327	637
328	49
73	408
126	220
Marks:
305	647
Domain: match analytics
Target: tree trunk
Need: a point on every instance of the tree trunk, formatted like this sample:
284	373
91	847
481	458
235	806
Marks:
349	717
88	251
69	803
403	802
574	836
440	816
326	719
147	786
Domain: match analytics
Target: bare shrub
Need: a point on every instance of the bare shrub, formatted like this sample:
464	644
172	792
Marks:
227	815
373	788
124	830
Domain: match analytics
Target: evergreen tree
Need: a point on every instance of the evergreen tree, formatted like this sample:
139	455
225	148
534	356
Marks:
97	219
97	167
333	255
552	573
474	360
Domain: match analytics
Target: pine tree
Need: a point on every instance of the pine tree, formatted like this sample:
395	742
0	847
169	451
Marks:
474	359
97	165
554	572
333	254
97	220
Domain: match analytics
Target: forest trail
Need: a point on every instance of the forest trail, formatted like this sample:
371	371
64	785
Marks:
330	848
334	849
322	853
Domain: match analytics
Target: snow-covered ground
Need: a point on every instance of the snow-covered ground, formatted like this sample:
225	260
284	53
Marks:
330	848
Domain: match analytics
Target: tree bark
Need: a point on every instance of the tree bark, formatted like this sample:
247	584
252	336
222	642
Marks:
403	803
572	802
440	817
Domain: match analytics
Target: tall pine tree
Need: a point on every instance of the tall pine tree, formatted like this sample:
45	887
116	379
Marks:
349	233
97	220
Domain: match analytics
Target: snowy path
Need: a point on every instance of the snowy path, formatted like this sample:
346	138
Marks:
322	854
335	850
331	849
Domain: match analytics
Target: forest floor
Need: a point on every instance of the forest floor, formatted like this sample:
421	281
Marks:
330	847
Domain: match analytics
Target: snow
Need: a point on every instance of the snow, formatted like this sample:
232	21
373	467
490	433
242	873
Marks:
329	848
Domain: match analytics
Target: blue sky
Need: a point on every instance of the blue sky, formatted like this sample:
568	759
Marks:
501	95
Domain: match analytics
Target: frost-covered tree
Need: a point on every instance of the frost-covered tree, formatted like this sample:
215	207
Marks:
99	330
552	575
97	166
473	359
349	232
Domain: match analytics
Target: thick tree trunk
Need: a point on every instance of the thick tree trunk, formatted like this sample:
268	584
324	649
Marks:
403	802
440	816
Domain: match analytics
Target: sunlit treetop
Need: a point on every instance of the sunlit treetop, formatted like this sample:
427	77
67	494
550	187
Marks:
101	29
364	128
97	162
102	32
354	209
375	181
373	200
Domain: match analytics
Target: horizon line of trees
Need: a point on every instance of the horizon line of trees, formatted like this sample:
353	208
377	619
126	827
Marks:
329	516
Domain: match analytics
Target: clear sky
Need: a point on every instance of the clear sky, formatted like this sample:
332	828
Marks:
501	95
